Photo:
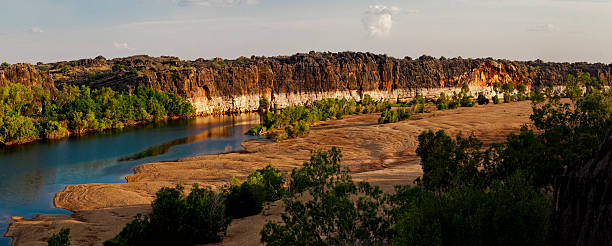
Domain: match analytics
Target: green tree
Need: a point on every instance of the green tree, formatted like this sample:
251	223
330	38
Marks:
62	238
320	209
177	219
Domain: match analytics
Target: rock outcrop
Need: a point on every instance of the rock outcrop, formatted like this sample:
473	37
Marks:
26	74
582	203
220	85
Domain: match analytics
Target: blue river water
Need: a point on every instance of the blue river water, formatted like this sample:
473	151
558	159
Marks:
31	174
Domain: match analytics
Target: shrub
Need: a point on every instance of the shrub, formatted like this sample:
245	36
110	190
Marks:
178	220
482	99
392	116
326	207
5	64
299	129
62	238
272	181
256	130
244	199
495	99
507	214
54	130
442	101
264	104
448	162
507	97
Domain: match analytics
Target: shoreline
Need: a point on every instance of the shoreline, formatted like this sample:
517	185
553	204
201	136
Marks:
382	154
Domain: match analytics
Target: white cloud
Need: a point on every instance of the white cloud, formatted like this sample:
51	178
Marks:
37	29
216	3
378	20
550	28
123	46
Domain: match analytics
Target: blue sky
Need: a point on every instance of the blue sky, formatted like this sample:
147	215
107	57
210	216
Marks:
552	30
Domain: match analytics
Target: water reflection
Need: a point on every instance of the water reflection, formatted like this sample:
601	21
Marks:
30	175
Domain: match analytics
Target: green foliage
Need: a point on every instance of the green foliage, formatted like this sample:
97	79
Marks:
495	99
62	238
264	104
392	116
497	87
298	118
507	88
507	97
177	219
272	181
508	213
256	130
327	208
482	99
442	102
573	130
465	97
5	64
299	129
447	162
244	199
31	112
119	67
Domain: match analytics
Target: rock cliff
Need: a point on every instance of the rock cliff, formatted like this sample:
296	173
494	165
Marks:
582	204
218	85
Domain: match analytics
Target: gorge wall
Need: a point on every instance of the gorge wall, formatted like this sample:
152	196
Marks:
220	86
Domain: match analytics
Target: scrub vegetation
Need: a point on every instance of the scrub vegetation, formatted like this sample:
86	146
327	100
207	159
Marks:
28	113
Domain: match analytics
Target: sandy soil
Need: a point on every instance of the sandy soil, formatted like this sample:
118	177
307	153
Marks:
382	154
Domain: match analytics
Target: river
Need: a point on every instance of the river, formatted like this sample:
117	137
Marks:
31	174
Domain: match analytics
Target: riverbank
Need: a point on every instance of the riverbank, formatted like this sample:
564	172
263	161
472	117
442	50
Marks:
382	154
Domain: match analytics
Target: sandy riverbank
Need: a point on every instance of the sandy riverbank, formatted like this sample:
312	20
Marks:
382	154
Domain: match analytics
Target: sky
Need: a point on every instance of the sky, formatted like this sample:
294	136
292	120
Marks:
552	30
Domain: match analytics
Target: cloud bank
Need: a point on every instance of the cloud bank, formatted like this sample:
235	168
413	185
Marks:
378	20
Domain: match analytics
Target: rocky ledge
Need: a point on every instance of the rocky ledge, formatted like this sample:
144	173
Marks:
222	86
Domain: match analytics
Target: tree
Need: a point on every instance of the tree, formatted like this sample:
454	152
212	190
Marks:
177	219
482	99
320	209
447	162
62	238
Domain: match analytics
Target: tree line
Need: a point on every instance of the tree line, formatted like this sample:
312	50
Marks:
28	113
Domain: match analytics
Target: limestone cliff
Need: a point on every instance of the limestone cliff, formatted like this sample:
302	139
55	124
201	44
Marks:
236	85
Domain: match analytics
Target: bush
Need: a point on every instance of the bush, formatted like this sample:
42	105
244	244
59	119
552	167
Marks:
326	207
495	99
299	129
177	219
506	214
507	97
442	101
5	64
244	199
448	162
482	100
62	238
272	181
54	130
256	130
393	116
264	104
295	120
